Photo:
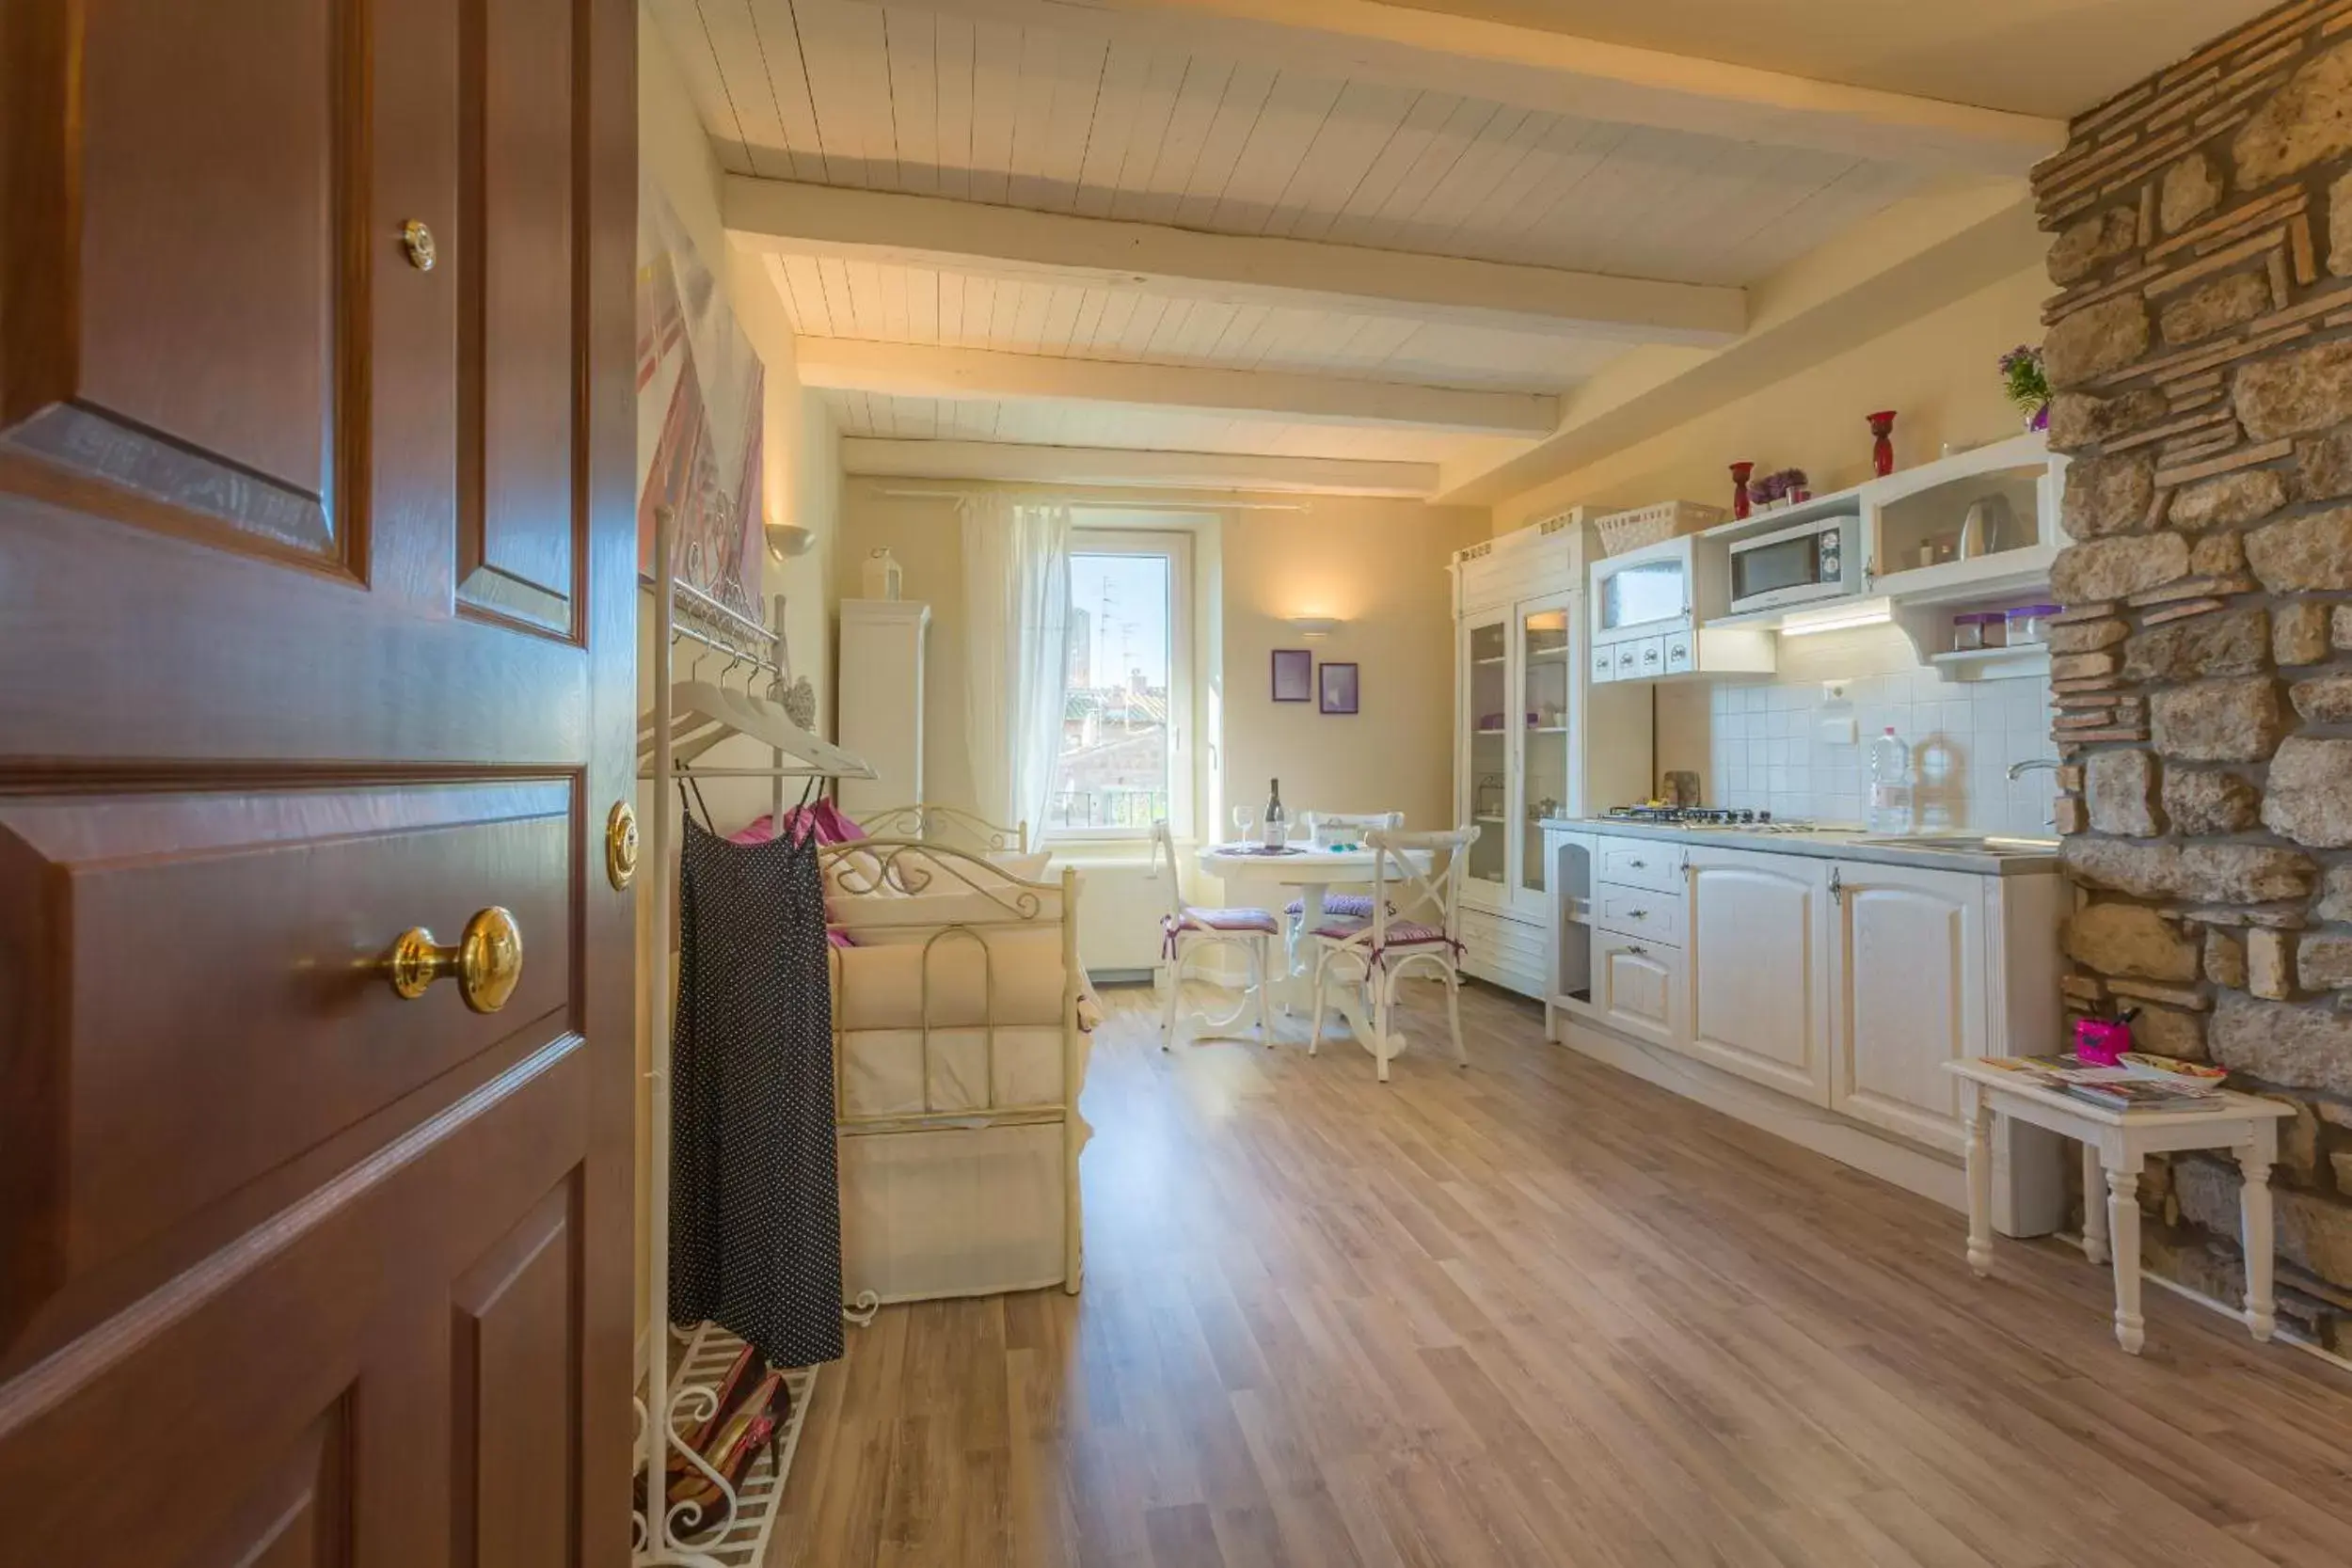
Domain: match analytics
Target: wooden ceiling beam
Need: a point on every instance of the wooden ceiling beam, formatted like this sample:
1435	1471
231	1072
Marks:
870	456
921	370
797	218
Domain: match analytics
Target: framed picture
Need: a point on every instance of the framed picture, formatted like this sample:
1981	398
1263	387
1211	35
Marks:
1338	688
1293	675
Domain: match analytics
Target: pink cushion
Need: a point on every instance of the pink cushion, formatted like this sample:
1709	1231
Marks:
1227	920
1402	933
1340	906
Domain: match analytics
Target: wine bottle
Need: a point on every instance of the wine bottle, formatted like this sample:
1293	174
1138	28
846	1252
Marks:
1275	823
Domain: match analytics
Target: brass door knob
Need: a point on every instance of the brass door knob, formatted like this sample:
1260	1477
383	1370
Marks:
487	961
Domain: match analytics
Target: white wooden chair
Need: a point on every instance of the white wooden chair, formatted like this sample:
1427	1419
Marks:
1188	928
1345	906
1416	919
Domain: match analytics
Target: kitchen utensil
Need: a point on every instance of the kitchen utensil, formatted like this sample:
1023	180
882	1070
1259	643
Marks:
1987	528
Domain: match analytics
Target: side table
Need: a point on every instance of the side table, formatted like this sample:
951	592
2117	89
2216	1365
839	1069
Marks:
2117	1141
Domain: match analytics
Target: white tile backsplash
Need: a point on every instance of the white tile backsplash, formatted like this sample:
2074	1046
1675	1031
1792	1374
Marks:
1764	746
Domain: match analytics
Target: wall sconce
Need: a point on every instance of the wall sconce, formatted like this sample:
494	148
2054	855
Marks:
785	540
1314	628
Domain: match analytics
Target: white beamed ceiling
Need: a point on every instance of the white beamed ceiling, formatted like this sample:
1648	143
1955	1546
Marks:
892	99
1121	110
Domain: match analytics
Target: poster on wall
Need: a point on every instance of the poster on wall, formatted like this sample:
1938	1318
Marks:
699	415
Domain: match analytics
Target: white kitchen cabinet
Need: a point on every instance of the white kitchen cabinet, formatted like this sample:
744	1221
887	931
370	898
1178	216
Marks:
1524	707
879	668
1907	986
1757	980
1637	987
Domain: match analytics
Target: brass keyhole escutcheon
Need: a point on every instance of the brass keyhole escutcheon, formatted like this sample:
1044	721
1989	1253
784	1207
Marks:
417	240
486	961
620	845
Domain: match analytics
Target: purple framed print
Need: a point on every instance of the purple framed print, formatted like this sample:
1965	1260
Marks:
1293	675
1338	688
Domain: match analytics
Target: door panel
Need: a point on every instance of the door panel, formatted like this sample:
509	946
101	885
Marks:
298	1513
1908	996
323	1275
1756	973
514	321
510	1426
173	333
282	902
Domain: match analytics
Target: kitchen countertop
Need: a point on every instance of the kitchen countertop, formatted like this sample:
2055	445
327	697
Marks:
1844	844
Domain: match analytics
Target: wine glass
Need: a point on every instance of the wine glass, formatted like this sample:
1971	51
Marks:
1243	818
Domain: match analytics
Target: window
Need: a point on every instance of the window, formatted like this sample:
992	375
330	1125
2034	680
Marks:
1126	686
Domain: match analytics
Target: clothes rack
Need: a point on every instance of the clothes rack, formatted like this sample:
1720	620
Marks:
684	1392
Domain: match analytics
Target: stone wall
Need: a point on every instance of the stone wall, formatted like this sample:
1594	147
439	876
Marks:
2202	669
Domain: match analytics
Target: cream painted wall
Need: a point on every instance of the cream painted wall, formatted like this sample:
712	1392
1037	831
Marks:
1939	373
801	448
1379	565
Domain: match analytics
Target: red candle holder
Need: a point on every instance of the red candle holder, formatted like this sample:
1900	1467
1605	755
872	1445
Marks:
1883	450
1742	504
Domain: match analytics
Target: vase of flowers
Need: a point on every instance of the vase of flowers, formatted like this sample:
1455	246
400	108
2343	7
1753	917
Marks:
1784	488
2027	384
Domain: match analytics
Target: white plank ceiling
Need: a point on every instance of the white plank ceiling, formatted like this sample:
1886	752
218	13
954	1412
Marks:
908	100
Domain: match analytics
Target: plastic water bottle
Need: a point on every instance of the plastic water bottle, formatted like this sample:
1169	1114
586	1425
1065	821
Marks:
1890	783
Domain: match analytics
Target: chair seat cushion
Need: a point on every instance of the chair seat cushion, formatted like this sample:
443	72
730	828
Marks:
1338	906
1401	933
1198	919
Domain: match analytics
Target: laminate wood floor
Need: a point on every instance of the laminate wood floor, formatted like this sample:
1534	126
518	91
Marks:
1539	1313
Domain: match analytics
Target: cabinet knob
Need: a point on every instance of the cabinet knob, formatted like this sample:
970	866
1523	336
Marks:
1637	914
1637	952
1837	887
1638	866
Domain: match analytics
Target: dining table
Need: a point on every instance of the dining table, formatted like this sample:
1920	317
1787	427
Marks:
1253	875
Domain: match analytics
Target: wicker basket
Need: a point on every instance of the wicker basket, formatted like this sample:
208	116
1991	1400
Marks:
1621	531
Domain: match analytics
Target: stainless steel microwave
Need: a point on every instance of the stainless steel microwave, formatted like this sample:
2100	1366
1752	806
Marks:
1810	562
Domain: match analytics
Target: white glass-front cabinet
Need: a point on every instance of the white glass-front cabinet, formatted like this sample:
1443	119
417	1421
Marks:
1488	762
1524	715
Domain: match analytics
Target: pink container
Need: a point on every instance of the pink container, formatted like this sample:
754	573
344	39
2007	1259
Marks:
2101	1042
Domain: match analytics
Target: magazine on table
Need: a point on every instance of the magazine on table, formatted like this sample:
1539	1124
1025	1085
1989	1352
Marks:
2138	1083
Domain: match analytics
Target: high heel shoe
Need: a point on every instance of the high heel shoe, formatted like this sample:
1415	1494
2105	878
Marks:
701	1506
733	1389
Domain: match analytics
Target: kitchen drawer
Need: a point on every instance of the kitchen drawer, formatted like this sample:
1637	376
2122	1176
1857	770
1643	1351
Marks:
1506	952
1682	648
1628	659
1650	658
1643	913
1642	862
1605	662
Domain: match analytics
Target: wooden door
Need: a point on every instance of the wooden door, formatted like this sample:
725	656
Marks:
1755	971
1907	994
317	597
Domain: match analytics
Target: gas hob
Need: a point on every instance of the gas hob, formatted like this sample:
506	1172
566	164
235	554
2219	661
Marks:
1730	819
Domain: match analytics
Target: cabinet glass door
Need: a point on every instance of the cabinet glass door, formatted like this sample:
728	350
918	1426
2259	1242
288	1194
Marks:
1486	767
1547	663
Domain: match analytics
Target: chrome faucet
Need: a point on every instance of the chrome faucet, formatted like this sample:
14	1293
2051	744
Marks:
2019	769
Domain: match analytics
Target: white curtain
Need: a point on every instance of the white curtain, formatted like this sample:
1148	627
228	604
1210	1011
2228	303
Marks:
1016	595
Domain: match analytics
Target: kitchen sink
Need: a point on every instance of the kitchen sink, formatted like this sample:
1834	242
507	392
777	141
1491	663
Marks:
1965	844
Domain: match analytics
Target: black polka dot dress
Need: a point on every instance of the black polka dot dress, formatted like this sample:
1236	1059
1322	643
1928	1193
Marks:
755	1211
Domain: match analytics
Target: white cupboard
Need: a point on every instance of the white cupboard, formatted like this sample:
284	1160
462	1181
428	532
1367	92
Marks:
1907	957
878	713
1756	982
1637	987
1523	709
